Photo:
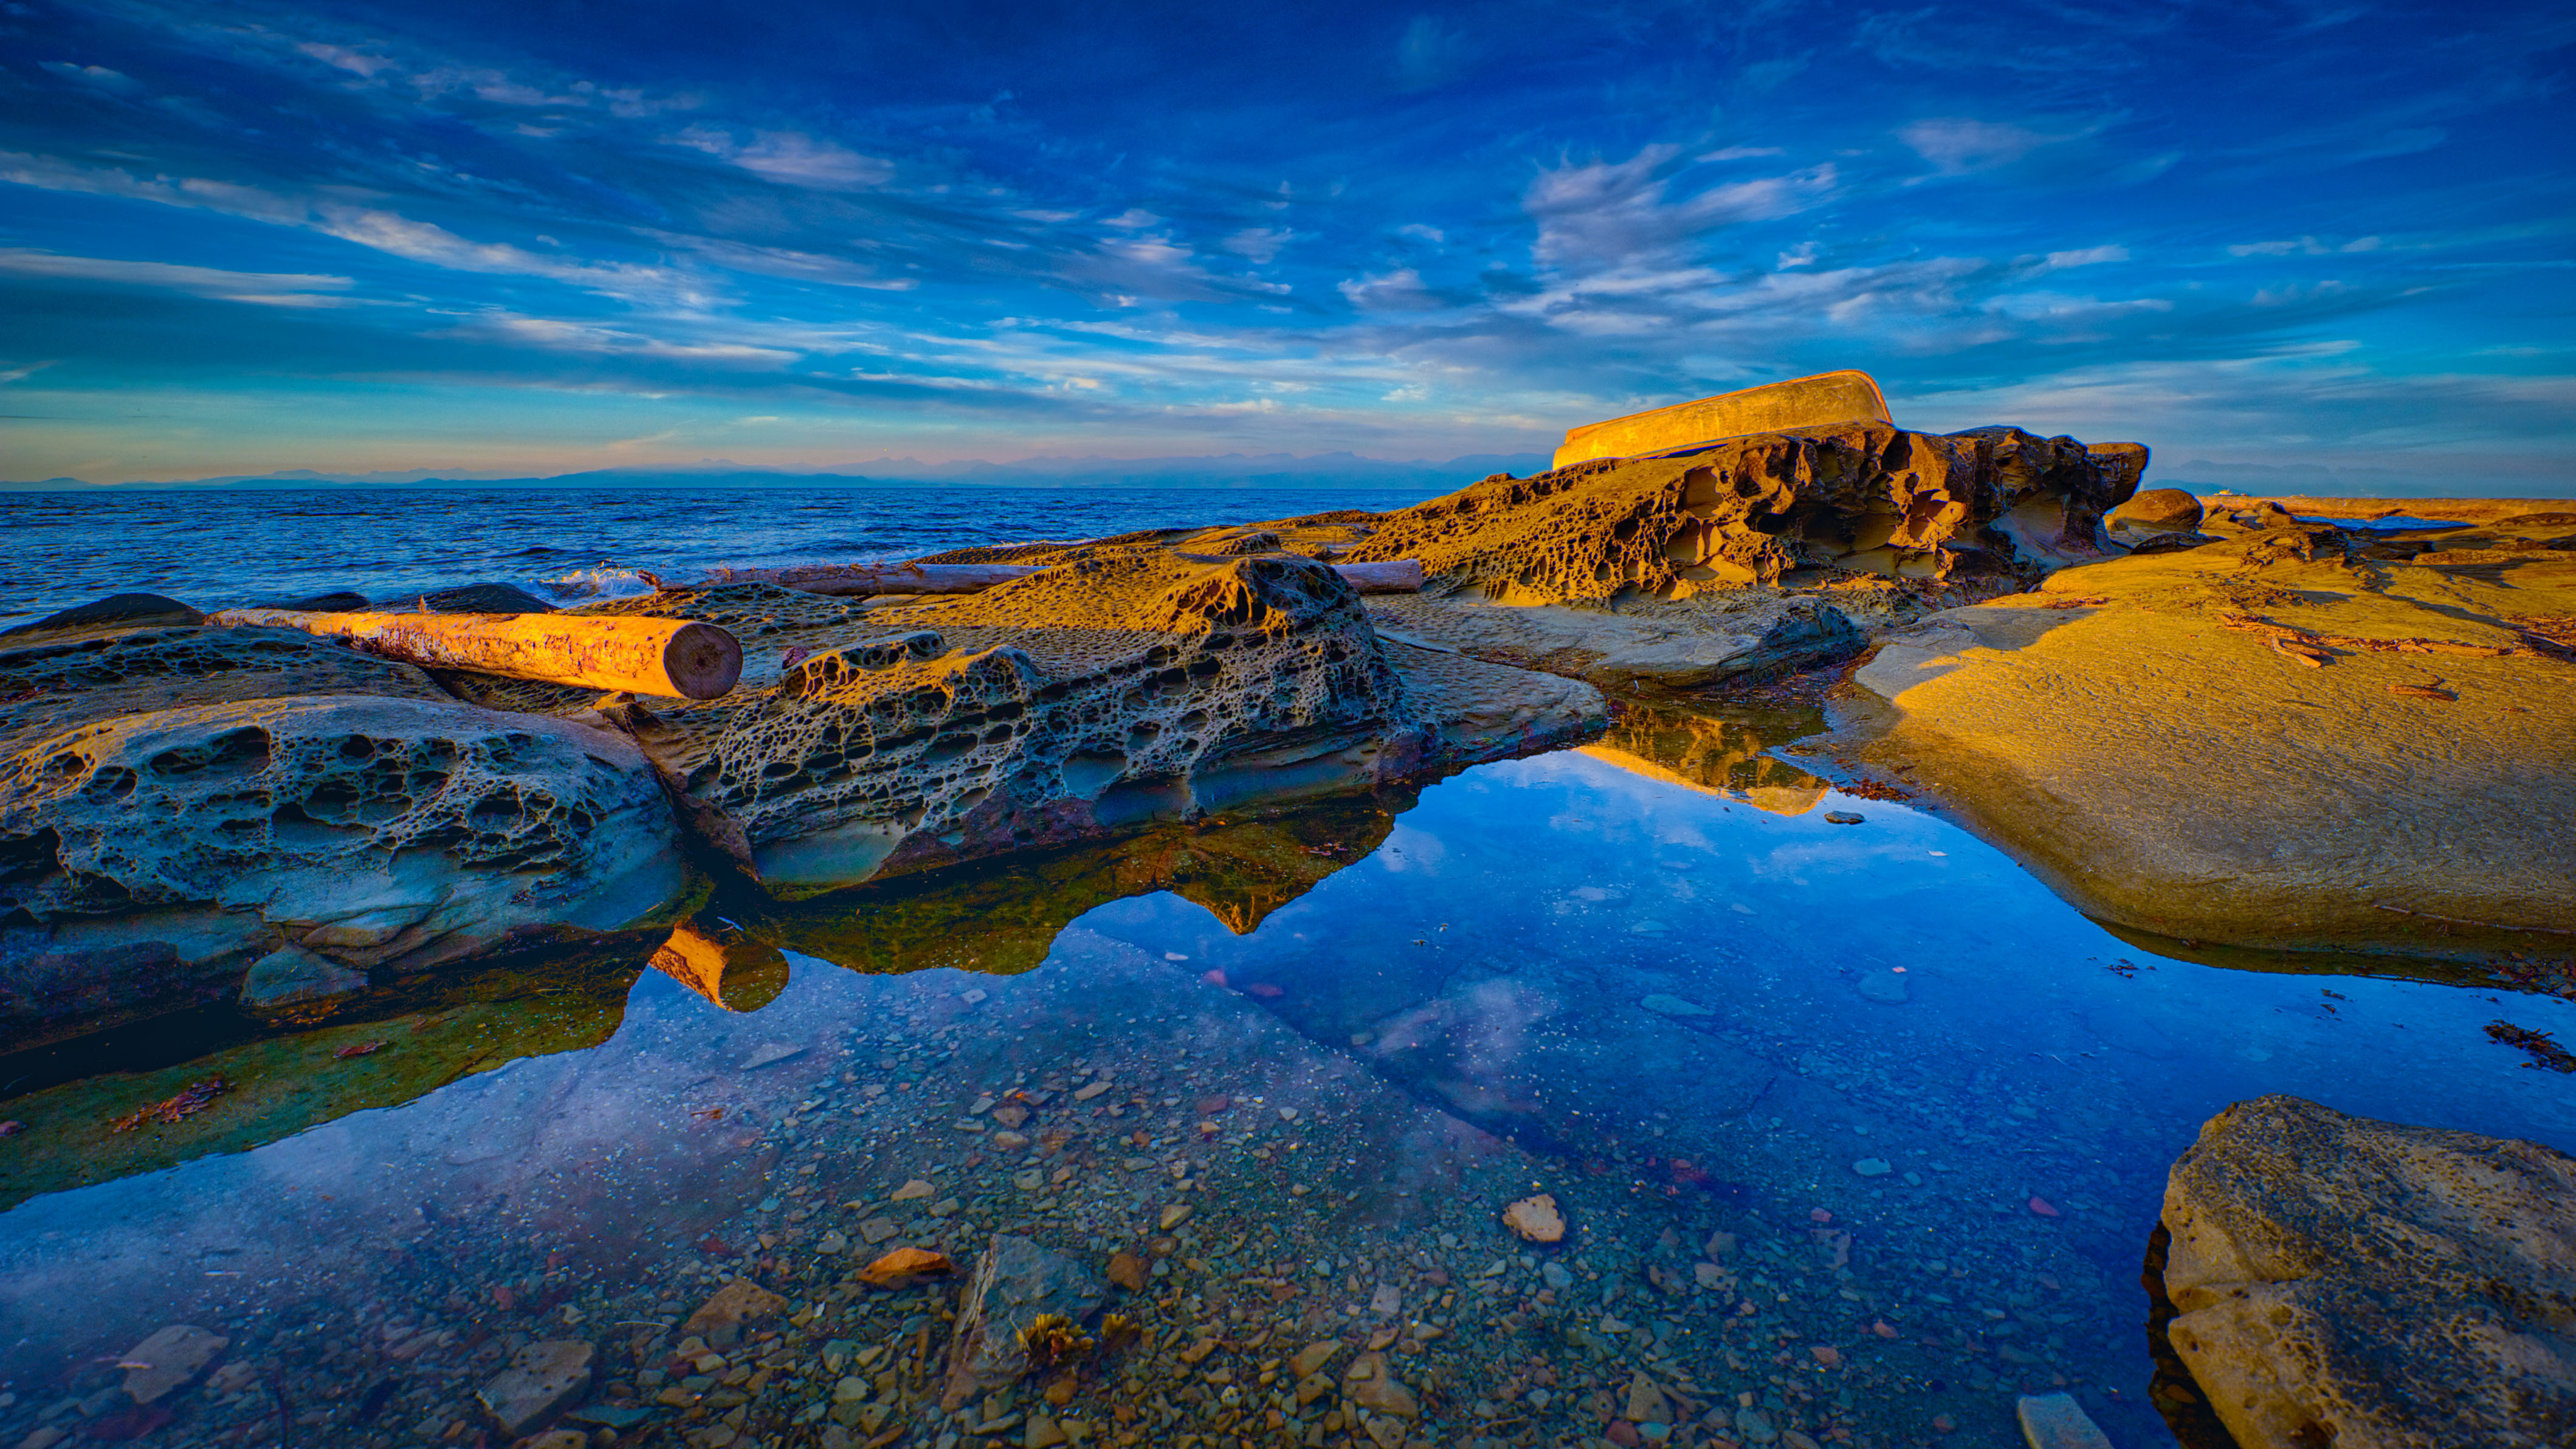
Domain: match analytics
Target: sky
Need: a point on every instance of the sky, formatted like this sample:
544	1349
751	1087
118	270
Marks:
2319	245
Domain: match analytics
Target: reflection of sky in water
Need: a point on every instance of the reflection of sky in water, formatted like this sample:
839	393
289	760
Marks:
1660	994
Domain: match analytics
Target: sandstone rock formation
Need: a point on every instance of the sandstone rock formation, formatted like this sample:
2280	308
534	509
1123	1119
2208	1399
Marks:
2336	1280
1803	402
1857	496
2153	514
2296	737
1127	683
179	803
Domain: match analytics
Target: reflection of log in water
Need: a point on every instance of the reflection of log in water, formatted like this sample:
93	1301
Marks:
1717	750
722	964
1003	919
395	1044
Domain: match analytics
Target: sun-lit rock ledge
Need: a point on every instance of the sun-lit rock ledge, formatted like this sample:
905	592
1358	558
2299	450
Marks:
2294	736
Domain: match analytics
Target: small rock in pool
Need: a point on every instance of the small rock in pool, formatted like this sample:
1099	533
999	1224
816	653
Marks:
1872	1167
1663	1005
1842	817
1884	986
169	1359
1536	1219
541	1381
2056	1421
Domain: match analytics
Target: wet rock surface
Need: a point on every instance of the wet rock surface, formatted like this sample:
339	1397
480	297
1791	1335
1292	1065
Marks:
2346	1281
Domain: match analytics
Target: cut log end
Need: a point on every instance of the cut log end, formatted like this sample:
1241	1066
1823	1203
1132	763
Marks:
704	662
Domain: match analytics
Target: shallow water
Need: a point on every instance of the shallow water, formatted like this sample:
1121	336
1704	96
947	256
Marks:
1854	1126
217	549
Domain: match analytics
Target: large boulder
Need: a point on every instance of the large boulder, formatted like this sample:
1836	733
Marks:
181	804
2152	513
2336	1280
2293	738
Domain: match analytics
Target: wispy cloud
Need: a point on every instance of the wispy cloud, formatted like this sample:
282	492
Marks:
277	289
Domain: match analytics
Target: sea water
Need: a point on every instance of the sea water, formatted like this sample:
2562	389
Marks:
224	548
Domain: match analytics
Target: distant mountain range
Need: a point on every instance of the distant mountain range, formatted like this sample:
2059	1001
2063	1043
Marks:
1231	470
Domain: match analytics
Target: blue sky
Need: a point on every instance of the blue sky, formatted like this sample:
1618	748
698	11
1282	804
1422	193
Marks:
2315	244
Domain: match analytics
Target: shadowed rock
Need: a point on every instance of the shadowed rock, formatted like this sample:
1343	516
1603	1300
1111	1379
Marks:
179	802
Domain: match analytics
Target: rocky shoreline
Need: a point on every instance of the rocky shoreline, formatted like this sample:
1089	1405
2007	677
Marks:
199	814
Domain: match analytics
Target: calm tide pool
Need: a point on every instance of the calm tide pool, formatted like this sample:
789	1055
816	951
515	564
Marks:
1858	1133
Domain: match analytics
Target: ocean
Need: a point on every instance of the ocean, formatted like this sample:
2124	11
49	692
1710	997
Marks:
224	549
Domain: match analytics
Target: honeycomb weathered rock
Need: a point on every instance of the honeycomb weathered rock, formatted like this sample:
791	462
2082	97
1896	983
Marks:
1127	683
178	803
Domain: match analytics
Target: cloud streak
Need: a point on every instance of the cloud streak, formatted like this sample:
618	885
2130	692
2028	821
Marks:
1444	231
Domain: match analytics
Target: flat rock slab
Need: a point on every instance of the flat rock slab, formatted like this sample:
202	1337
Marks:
2342	1281
736	1303
542	1381
171	1358
2295	739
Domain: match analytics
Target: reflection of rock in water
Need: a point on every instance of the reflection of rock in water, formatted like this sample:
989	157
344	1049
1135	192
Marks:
397	1044
1717	751
1003	919
722	964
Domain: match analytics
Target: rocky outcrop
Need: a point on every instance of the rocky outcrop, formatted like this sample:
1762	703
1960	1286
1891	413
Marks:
2294	737
1801	402
1859	497
2335	1280
181	804
1126	684
2155	513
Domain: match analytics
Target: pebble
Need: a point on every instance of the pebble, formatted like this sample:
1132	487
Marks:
1175	1215
1872	1167
1755	1426
912	1190
1556	1276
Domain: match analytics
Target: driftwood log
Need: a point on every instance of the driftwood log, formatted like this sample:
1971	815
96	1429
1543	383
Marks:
1395	576
672	658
